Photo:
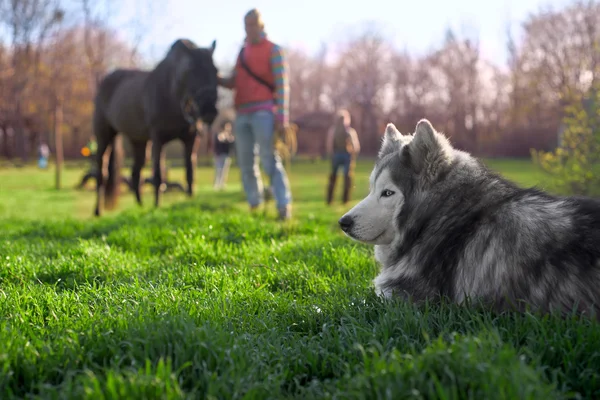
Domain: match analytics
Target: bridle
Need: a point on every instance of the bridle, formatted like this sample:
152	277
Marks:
185	104
188	104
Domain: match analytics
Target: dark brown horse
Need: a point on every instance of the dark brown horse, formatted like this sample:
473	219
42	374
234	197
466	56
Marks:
170	102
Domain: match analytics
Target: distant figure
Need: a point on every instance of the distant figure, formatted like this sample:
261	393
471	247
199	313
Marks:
261	83
43	154
89	150
224	141
342	146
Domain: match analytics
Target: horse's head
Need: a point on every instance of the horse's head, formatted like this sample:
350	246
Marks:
196	81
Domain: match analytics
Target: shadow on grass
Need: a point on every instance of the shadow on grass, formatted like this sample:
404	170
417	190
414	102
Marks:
73	280
165	241
72	230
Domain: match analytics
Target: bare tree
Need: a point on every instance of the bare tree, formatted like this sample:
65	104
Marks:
94	38
456	70
555	63
28	22
360	82
301	70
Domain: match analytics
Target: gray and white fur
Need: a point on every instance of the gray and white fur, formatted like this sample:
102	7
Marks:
444	225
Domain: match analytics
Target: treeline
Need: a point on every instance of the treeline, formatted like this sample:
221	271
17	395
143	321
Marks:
53	55
491	110
487	109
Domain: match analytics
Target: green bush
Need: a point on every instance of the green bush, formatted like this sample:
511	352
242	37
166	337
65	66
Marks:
573	167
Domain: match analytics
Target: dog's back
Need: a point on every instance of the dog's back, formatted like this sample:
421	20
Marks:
526	247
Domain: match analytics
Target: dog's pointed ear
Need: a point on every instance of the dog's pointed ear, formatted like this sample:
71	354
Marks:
425	138
427	145
213	46
390	141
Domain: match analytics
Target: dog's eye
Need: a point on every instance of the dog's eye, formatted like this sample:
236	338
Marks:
387	193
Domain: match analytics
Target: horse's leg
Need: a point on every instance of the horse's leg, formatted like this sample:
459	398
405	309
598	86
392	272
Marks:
157	169
190	148
104	136
148	156
126	181
102	145
139	159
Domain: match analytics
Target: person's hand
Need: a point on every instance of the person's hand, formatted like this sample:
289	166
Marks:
227	82
280	126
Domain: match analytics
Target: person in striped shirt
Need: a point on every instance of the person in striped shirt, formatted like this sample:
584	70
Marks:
261	83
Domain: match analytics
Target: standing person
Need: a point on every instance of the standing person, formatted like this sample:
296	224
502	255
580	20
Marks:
260	80
223	142
342	146
43	155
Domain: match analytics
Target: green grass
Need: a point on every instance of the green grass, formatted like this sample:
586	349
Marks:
199	299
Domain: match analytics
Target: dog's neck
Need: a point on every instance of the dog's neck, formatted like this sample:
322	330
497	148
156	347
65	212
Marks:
382	253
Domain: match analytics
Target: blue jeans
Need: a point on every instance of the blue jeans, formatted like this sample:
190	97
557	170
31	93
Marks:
222	162
341	159
254	134
42	162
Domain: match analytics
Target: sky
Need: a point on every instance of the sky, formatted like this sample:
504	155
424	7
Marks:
415	25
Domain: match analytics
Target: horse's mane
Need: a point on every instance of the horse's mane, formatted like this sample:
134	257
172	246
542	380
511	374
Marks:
181	43
180	48
168	77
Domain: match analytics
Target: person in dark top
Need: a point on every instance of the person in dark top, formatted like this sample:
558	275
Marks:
224	142
343	146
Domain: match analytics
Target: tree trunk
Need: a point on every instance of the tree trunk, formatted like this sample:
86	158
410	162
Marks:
19	132
58	141
6	142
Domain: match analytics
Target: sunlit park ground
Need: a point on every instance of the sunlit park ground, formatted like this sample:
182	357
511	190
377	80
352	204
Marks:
199	299
30	192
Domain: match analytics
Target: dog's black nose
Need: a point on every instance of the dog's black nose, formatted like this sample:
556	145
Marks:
346	223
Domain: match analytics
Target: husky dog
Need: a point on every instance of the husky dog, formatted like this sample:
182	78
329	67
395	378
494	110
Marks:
445	226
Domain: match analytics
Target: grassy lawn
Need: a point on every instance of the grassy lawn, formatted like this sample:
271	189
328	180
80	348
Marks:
199	299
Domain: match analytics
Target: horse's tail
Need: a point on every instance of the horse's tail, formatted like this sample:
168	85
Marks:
113	181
